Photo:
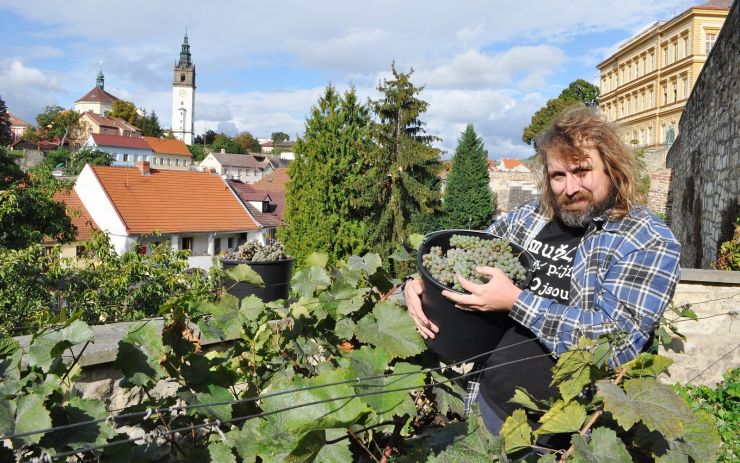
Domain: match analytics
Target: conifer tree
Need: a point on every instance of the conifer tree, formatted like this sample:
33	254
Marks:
403	164
468	202
322	192
6	135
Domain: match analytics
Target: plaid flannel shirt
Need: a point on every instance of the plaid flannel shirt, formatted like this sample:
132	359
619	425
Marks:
624	275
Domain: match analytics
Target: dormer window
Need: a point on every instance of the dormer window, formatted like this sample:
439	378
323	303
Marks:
265	206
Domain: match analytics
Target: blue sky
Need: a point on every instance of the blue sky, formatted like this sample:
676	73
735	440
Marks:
260	66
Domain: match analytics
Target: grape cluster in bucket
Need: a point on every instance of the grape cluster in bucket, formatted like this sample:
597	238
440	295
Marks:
468	252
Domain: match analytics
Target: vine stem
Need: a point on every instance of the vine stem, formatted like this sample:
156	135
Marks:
399	423
593	419
359	441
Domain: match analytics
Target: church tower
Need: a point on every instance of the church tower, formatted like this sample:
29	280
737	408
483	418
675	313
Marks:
183	95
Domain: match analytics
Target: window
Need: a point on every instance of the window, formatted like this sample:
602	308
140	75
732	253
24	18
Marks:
80	252
186	243
650	98
154	161
185	162
652	61
182	77
685	87
231	242
675	91
217	246
665	56
686	46
177	162
665	94
650	134
169	161
711	38
125	157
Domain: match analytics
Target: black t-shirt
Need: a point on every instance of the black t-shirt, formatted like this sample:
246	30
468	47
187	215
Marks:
554	250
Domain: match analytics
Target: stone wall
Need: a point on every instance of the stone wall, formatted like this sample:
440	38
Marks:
706	155
512	189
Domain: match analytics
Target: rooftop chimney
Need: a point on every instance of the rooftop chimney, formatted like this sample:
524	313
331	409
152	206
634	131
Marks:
143	167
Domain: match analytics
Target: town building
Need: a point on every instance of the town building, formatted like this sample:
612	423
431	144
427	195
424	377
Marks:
126	151
183	95
82	221
91	122
511	165
644	86
262	207
196	211
96	100
18	126
248	168
169	154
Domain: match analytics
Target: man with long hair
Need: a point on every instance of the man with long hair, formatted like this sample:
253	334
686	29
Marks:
605	265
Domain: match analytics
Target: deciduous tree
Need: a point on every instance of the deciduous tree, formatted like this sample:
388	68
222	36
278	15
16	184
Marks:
279	137
468	202
248	143
329	161
222	141
404	164
56	123
28	211
578	90
126	110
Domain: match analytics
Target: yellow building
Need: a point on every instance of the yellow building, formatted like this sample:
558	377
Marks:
646	83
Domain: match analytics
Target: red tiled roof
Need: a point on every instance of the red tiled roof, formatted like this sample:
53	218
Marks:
110	121
275	180
78	214
172	201
96	95
168	146
511	163
17	121
247	193
119	141
715	5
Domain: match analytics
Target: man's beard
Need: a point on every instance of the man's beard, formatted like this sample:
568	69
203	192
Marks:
581	218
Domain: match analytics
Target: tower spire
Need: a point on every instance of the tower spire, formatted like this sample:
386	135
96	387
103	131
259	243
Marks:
185	58
100	81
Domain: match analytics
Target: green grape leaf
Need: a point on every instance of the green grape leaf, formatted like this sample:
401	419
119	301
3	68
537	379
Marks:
342	290
604	447
219	452
275	440
644	399
448	396
140	353
327	414
10	373
390	403
672	455
50	344
562	417
389	326
345	329
31	415
647	365
308	280
245	440
602	352
337	452
318	259
415	240
548	458
251	308
572	373
468	442
516	432
308	447
8	346
212	394
221	323
244	273
346	307
402	255
522	397
700	438
81	410
7	417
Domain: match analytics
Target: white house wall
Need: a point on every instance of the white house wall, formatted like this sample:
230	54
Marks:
97	203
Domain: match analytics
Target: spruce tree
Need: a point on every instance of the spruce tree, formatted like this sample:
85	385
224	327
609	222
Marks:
6	135
468	202
322	193
403	165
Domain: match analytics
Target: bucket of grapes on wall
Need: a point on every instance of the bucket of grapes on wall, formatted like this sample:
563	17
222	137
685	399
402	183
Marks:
271	263
465	334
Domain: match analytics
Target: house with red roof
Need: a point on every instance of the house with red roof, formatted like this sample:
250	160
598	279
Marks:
81	220
265	206
191	210
512	165
126	151
18	126
91	122
169	154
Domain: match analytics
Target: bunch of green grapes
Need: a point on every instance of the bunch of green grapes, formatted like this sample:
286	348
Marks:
468	252
258	252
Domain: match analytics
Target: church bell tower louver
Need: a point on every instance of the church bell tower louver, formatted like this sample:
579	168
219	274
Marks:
183	95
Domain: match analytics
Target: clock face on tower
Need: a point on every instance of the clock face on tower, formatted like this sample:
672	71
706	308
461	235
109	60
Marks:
182	93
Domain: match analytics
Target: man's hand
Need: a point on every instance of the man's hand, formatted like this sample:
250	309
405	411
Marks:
412	294
498	294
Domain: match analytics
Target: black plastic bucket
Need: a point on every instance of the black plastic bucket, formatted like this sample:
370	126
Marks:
276	275
462	334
